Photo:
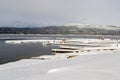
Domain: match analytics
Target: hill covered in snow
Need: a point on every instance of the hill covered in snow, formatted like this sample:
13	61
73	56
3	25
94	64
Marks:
78	29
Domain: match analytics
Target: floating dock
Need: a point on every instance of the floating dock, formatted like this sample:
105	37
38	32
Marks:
83	44
63	50
71	50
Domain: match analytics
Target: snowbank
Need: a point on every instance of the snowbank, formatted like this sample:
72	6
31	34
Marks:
102	65
74	40
30	41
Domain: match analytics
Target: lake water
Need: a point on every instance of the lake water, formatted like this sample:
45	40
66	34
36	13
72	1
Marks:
14	52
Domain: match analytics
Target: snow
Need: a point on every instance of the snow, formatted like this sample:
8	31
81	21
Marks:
74	40
30	41
96	65
93	65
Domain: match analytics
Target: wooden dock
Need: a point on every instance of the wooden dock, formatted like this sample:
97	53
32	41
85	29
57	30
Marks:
63	50
71	50
82	44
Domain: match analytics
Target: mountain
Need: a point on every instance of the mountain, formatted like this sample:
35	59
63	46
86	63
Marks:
109	27
78	29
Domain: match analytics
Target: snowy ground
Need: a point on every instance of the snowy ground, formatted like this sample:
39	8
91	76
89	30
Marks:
102	65
74	40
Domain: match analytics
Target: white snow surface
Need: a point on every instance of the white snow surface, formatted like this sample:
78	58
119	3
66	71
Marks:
30	41
99	65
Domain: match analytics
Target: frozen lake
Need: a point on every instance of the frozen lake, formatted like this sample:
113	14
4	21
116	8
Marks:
14	52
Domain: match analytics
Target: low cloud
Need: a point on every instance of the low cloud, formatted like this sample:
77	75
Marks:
59	12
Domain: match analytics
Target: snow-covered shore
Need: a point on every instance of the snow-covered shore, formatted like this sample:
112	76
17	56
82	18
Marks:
99	65
74	40
29	41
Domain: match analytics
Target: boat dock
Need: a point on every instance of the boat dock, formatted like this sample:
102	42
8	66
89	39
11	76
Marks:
72	50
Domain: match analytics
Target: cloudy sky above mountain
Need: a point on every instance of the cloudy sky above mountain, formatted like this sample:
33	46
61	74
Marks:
59	12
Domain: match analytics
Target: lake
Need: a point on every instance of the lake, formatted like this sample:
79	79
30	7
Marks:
15	52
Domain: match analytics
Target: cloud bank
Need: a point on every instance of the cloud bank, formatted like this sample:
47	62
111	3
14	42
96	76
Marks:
58	12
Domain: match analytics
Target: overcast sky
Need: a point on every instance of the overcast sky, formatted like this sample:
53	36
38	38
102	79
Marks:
59	12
